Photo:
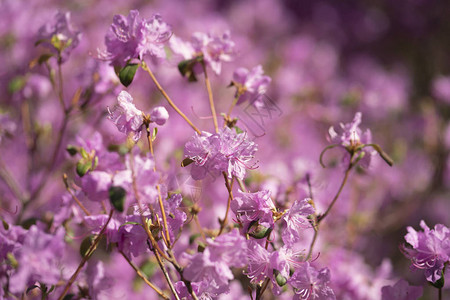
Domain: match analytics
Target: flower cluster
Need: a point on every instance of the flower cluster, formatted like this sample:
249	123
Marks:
226	151
131	38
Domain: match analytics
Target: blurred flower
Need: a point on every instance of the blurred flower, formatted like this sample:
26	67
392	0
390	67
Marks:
59	36
401	291
441	88
250	84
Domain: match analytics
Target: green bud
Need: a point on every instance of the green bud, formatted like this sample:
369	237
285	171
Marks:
258	231
281	280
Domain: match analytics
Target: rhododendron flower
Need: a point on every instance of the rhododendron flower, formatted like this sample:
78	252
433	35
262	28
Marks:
250	84
254	207
126	116
296	220
401	291
212	49
59	35
350	136
132	37
430	249
310	283
225	151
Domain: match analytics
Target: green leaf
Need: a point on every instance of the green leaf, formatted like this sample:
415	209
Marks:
155	132
83	166
186	68
85	245
238	130
117	196
44	57
193	237
16	84
439	284
126	74
186	162
68	297
149	268
12	260
72	150
83	153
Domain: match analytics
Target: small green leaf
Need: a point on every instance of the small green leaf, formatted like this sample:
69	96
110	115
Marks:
12	260
186	68
72	150
44	57
149	268
85	245
126	74
281	280
155	132
238	130
83	166
117	196
186	162
83	153
16	84
439	284
193	237
68	297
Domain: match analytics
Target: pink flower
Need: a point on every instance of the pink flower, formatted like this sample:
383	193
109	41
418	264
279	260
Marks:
126	116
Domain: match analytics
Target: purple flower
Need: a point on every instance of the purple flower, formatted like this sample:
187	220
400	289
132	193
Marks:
175	216
350	136
131	38
38	259
212	49
430	249
250	84
259	266
204	268
96	222
212	266
441	88
59	36
310	283
126	116
229	248
254	207
225	151
96	184
296	220
159	115
401	291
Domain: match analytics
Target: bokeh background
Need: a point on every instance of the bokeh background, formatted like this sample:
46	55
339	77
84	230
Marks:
327	60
